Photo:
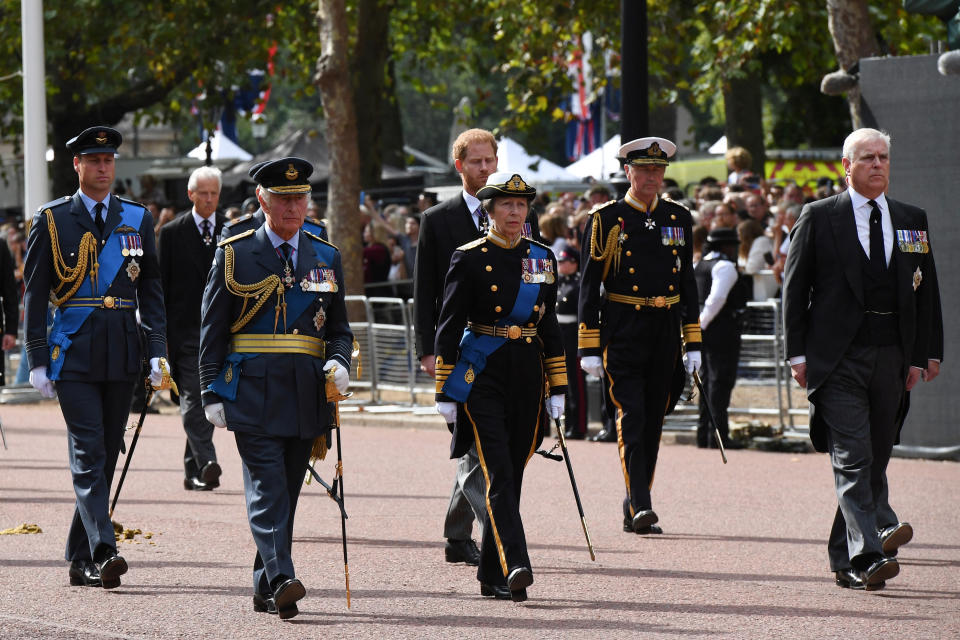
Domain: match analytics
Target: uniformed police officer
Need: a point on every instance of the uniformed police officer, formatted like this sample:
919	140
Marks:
502	289
94	256
253	220
274	322
638	250
723	297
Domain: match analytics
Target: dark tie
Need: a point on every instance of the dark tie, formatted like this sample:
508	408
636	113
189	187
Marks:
98	213
483	220
878	258
285	252
207	236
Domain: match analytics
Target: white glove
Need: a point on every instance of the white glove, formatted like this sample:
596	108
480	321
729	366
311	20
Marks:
555	405
448	410
215	414
691	361
156	375
341	376
40	382
592	365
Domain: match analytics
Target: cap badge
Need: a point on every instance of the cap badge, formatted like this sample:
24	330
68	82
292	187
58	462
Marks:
291	173
516	183
654	150
102	137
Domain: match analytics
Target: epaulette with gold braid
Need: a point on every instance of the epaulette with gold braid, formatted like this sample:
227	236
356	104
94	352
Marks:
472	245
226	241
602	205
679	204
314	236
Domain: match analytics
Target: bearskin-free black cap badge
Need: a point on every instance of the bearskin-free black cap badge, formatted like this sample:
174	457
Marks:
95	140
286	175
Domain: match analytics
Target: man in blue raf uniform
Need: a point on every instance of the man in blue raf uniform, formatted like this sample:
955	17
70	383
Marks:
253	221
274	322
94	256
639	250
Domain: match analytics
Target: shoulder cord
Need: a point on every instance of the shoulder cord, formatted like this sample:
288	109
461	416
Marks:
86	254
259	291
609	252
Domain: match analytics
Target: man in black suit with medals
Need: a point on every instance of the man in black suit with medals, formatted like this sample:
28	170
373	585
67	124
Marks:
638	300
274	324
863	326
93	254
443	228
186	247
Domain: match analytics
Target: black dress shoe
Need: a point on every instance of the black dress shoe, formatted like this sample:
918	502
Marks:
519	578
210	475
264	604
196	484
285	595
652	529
111	567
605	435
84	573
879	572
850	578
895	536
570	434
643	519
462	551
498	591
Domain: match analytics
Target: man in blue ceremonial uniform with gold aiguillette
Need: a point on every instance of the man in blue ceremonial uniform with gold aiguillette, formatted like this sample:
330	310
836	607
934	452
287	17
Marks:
94	257
274	323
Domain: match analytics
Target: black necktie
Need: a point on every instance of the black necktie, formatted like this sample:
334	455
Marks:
878	256
207	237
285	252
98	213
483	220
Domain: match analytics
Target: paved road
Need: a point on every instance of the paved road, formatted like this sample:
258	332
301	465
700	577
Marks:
743	555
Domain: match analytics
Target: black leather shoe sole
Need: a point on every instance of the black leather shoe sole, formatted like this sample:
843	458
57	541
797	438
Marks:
895	537
110	571
288	612
519	578
286	595
643	519
210	474
879	572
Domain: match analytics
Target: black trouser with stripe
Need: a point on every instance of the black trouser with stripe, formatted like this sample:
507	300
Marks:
505	409
718	373
639	358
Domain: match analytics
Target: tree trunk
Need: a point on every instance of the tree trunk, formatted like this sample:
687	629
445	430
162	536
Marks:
853	38
370	85
743	109
343	190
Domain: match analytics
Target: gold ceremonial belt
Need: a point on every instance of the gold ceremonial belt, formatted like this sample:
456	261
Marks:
106	302
278	343
658	302
513	332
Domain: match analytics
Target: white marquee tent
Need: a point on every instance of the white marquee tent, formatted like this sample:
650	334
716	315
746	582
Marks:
223	148
534	169
599	163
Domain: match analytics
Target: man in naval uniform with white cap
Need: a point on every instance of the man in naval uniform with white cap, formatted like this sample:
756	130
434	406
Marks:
637	291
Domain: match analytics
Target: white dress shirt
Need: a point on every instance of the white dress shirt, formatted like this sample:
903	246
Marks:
861	213
723	276
473	206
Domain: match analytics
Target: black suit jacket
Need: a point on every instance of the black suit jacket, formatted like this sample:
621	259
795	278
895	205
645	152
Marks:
185	263
443	228
823	292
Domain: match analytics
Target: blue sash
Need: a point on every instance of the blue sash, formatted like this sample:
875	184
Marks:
297	299
67	322
474	349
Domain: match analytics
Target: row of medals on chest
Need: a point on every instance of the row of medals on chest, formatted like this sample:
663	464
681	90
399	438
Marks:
321	280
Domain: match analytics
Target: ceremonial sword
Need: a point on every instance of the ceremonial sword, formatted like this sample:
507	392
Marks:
706	404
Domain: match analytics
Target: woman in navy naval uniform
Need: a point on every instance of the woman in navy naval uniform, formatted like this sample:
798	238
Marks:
498	380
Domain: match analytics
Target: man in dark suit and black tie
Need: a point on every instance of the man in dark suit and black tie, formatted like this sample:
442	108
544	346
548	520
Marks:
186	248
443	228
863	326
